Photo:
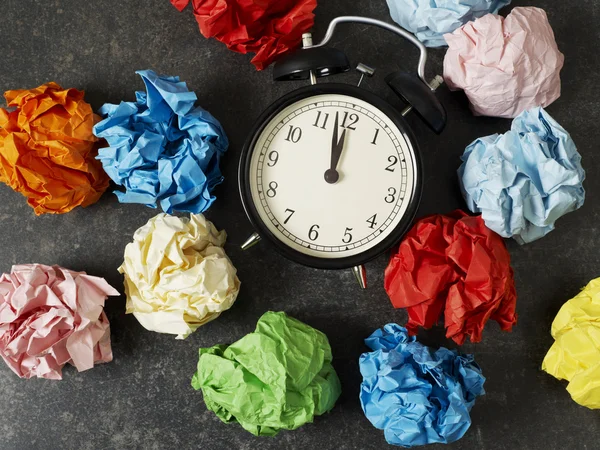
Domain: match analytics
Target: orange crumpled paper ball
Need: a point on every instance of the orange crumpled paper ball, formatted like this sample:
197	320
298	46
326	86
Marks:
269	28
48	149
453	264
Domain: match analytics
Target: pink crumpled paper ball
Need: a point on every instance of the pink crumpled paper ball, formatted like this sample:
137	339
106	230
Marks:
505	66
50	316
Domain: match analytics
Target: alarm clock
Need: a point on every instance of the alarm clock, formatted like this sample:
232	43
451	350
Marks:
331	173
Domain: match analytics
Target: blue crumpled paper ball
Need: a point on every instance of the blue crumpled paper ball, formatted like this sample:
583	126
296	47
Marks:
524	180
162	149
429	20
417	396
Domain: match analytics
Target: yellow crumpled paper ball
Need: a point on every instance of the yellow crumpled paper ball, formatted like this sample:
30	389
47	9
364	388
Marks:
575	354
177	275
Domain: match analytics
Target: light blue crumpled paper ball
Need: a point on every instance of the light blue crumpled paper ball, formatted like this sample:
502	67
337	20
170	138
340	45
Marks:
162	149
417	396
524	180
429	20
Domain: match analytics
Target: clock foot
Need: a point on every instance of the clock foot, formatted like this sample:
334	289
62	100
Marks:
252	240
361	275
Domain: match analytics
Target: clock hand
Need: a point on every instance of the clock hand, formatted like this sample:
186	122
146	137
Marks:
337	146
335	155
334	139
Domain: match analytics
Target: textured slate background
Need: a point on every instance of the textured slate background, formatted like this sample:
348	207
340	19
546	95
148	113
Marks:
143	399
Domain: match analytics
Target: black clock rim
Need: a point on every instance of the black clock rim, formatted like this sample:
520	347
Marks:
244	180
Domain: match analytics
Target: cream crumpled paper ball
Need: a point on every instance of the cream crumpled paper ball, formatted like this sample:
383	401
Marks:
177	275
505	66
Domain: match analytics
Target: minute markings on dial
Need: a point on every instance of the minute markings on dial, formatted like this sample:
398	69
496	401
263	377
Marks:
281	126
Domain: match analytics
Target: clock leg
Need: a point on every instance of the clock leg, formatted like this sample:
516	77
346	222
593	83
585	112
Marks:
252	240
361	275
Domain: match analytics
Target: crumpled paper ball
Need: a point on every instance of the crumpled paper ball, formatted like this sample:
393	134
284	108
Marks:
277	378
416	395
51	316
453	265
505	66
524	180
575	354
48	150
162	149
177	275
269	28
429	20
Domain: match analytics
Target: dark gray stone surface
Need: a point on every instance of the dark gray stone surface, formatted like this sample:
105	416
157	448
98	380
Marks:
143	399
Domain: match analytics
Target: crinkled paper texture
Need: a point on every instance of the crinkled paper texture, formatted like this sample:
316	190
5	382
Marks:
162	149
429	20
453	265
416	395
575	354
278	377
524	180
48	150
177	275
268	28
51	316
505	66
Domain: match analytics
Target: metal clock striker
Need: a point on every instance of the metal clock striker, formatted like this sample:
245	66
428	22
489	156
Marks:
331	173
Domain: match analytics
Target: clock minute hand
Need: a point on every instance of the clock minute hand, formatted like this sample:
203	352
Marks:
337	146
334	139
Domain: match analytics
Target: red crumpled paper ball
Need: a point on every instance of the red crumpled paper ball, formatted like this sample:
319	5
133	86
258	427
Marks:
453	264
269	28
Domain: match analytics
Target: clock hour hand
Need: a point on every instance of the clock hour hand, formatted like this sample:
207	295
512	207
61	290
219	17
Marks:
337	153
337	146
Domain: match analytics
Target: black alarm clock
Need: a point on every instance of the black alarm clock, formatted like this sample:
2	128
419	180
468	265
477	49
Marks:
331	173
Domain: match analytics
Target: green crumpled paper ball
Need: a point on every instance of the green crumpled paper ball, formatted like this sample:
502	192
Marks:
278	377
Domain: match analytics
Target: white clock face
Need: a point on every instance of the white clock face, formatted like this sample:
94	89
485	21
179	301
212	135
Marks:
375	183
